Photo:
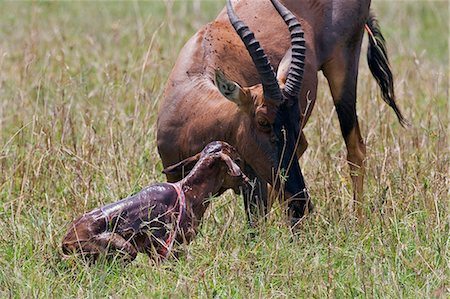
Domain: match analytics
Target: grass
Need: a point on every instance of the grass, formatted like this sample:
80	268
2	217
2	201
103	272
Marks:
79	90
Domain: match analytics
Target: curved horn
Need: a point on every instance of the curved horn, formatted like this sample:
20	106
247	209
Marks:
265	70
296	69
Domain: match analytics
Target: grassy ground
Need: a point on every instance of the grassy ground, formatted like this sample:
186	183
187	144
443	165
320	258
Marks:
79	90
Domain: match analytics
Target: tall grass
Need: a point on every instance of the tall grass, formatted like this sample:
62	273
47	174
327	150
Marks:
79	90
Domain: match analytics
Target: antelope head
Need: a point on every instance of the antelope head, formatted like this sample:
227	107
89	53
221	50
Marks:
273	107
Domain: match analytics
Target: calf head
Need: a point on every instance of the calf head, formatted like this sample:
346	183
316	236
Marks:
271	109
79	237
218	158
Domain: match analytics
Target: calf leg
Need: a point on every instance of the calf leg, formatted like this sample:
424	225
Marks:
114	244
341	73
104	243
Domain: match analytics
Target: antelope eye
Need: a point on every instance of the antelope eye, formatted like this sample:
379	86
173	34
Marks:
264	124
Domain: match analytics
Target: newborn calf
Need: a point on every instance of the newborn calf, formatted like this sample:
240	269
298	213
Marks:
152	220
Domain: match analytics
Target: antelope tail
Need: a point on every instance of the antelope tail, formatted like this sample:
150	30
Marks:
379	66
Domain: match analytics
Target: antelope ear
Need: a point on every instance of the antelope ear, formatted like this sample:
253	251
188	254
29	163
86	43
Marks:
233	168
229	89
182	167
283	67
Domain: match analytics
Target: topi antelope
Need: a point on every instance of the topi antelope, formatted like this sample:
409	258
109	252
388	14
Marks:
161	215
224	87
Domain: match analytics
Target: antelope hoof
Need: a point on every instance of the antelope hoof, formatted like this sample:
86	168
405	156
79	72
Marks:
299	209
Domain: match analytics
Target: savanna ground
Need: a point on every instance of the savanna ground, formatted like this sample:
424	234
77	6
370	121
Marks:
79	90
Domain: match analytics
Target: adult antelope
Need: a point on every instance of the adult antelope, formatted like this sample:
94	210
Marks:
223	87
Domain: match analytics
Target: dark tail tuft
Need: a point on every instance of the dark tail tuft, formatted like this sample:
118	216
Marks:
379	66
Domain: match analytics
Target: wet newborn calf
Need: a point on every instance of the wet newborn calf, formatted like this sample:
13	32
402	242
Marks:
160	215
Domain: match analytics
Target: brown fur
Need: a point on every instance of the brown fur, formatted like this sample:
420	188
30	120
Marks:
194	112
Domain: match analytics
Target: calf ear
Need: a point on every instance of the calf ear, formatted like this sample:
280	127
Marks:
233	168
182	167
230	89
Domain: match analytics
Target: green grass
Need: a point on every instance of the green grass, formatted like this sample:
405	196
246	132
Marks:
79	90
